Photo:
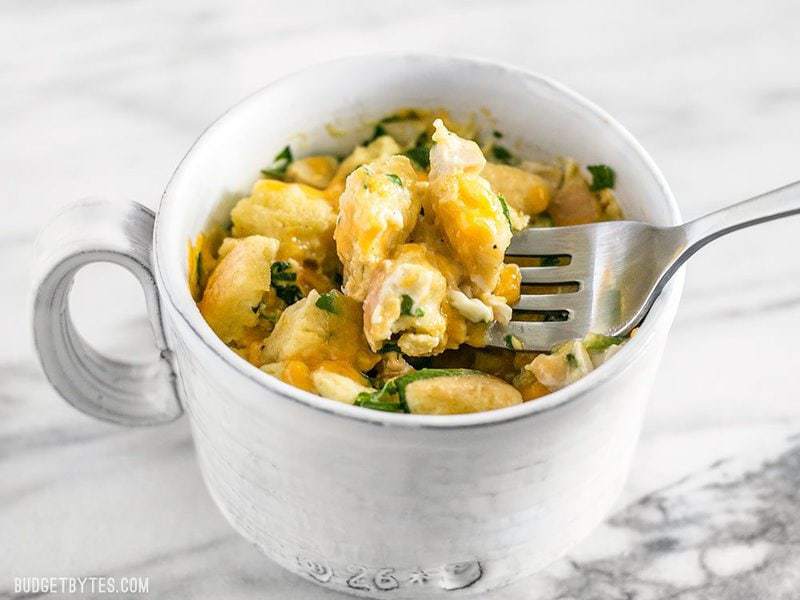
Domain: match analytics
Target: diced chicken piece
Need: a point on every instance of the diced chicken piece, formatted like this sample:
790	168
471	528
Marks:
237	285
567	364
525	192
377	212
297	215
452	155
319	328
574	203
405	296
467	210
316	171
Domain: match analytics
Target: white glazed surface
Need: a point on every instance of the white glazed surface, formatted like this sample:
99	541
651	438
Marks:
110	96
472	502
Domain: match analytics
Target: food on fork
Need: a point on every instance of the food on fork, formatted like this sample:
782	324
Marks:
372	280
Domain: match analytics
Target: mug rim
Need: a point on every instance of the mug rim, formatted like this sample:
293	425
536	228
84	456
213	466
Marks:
661	313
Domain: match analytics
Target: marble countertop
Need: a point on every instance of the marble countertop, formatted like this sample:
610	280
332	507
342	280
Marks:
104	98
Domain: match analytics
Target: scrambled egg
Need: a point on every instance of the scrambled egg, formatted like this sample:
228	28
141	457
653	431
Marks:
372	280
377	211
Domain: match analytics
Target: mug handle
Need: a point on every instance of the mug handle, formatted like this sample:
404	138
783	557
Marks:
92	231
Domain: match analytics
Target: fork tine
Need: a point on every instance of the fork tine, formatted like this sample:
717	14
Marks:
570	272
546	302
545	241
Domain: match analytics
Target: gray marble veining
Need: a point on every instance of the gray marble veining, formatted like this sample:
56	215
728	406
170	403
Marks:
102	98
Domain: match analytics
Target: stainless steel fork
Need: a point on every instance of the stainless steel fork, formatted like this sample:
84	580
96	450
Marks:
613	271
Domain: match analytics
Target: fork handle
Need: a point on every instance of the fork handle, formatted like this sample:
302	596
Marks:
781	202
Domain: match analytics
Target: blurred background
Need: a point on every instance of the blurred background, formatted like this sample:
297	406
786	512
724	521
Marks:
104	98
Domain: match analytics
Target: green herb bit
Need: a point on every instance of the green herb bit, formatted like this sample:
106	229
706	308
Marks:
376	133
497	134
282	277
288	293
389	346
571	360
395	179
506	212
603	177
327	302
500	153
513	342
367	400
282	271
277	170
407	307
421	152
595	342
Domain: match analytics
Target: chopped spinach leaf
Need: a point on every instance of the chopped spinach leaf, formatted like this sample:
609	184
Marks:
282	271
407	307
513	342
389	346
497	134
421	152
277	170
376	133
288	293
571	360
282	277
603	177
367	400
395	179
595	342
327	302
501	153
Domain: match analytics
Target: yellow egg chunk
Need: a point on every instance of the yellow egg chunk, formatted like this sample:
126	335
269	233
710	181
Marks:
574	203
316	171
467	210
377	148
321	328
458	394
237	285
297	215
377	212
406	296
524	191
510	283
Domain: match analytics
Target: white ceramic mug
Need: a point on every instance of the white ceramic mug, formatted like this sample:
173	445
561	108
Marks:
362	501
